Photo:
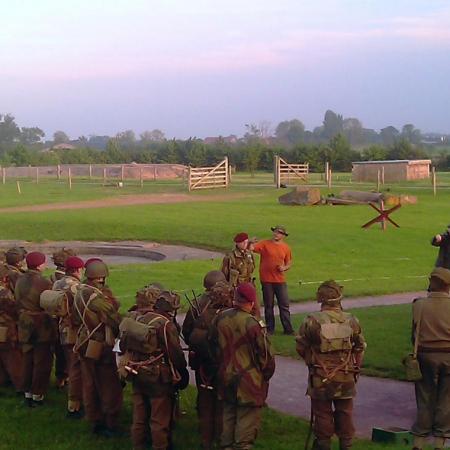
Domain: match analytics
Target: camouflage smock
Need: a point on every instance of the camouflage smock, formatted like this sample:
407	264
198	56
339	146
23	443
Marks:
238	266
245	357
9	316
342	384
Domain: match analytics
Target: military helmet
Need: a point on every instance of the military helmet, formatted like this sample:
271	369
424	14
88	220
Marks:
212	277
59	257
147	296
167	301
96	269
329	291
15	255
221	294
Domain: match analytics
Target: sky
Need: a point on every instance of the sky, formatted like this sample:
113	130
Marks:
208	67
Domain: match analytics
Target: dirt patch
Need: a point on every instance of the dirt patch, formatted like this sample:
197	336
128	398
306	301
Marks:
129	200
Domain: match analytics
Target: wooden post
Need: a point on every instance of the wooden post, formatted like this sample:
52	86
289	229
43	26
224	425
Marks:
90	171
37	175
383	222
58	172
382	175
227	172
18	187
189	179
277	172
154	172
378	180
327	168
4	175
69	174
329	178
433	178
122	172
141	178
104	176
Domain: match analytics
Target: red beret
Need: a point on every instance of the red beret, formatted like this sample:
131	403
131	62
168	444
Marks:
90	260
74	262
241	237
35	259
246	293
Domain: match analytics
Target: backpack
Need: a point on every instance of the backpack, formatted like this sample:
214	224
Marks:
335	335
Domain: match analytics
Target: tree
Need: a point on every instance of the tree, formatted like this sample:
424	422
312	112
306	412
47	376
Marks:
374	153
251	158
126	139
113	152
152	136
353	131
389	135
290	132
411	133
9	131
333	124
30	136
59	137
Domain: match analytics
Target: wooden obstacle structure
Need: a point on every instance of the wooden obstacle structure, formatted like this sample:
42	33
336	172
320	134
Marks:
383	216
285	173
209	177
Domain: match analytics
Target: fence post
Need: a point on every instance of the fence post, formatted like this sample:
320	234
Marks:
58	172
189	179
69	173
277	171
141	178
378	180
382	175
104	176
433	174
90	171
329	177
4	175
227	172
18	187
122	170
37	175
327	167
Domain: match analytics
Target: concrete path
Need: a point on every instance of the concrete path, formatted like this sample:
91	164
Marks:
379	403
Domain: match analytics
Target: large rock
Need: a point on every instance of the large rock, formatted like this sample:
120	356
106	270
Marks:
301	196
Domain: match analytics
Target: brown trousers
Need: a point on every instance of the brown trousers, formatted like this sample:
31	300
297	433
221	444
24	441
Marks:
209	411
152	414
75	388
61	363
338	421
102	392
36	369
11	367
240	426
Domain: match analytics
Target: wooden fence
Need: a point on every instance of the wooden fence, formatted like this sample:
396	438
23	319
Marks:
209	177
286	173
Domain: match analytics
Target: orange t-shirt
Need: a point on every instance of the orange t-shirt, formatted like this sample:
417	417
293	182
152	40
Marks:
272	255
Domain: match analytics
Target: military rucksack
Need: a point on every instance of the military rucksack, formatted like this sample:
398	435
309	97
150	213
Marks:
335	334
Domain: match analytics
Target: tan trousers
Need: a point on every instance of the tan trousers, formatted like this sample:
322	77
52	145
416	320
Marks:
102	392
240	426
11	366
36	369
152	414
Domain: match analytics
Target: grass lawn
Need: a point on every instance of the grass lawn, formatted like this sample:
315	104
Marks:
387	330
47	428
327	242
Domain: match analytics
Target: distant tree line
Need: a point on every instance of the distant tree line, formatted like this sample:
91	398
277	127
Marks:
338	141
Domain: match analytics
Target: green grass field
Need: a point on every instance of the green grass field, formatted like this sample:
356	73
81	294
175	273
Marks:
387	330
47	428
327	242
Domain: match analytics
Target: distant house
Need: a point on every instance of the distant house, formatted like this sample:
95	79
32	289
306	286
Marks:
231	139
63	146
396	170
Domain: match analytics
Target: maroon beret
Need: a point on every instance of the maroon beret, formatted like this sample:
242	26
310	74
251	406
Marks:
245	293
74	262
90	260
241	237
35	259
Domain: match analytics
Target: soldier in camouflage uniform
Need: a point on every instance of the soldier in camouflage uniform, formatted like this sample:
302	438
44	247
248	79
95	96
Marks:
15	260
61	363
246	364
208	409
156	366
97	315
10	353
332	345
70	283
36	330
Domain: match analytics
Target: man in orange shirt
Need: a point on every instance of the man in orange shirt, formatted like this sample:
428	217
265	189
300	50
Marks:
276	258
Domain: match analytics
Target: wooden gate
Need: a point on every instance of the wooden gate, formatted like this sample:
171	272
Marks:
286	173
209	177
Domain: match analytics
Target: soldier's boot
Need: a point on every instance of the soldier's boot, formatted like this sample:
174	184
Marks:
321	444
419	442
439	443
345	444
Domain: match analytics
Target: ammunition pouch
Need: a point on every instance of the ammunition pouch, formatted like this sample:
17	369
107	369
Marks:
234	277
54	302
94	350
